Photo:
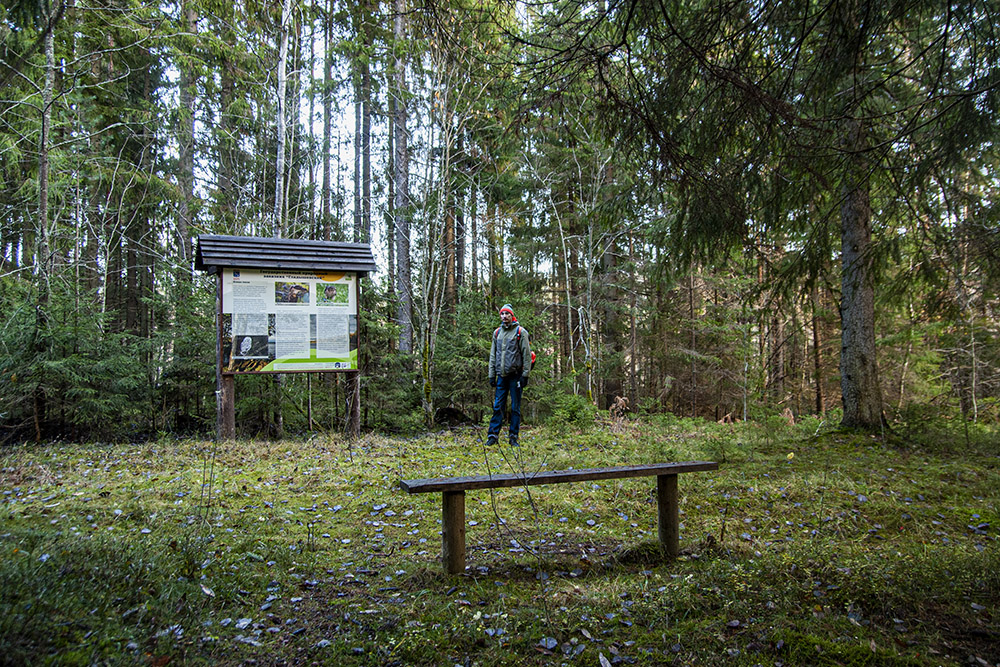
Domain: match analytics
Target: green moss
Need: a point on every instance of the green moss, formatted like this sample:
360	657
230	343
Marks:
116	554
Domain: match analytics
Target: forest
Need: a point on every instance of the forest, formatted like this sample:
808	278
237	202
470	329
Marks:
724	209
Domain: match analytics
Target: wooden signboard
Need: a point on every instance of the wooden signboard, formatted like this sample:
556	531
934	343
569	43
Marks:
284	306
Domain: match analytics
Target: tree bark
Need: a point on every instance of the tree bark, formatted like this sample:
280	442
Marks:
460	193
281	121
859	379
185	143
401	204
325	214
448	240
225	143
817	353
44	252
356	235
366	130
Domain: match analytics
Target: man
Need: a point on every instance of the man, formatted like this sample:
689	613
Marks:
510	363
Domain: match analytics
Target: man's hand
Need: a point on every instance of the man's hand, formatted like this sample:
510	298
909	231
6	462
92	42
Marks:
524	381
493	382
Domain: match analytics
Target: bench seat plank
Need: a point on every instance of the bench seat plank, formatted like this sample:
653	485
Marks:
444	484
452	490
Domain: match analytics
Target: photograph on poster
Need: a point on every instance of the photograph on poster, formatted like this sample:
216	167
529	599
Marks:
332	294
291	292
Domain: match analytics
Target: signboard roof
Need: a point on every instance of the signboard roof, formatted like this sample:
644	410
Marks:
215	253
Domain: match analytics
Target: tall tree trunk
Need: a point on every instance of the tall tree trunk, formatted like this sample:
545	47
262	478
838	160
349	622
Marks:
278	229
817	353
859	380
366	130
356	234
448	240
390	216
633	391
401	177
281	120
460	194
474	216
313	223
612	330
226	145
185	142
493	246
776	357
44	253
694	346
861	393
325	213
292	212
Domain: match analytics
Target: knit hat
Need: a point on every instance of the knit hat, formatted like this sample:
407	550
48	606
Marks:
510	310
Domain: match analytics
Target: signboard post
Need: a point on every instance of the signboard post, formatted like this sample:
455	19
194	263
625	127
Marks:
225	399
285	306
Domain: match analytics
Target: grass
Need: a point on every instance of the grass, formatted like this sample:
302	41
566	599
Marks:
808	547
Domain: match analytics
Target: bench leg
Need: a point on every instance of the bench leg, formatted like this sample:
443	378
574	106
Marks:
453	531
667	509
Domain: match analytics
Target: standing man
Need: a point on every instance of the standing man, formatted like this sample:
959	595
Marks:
510	363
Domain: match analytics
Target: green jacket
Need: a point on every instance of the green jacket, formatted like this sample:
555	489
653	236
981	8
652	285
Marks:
510	353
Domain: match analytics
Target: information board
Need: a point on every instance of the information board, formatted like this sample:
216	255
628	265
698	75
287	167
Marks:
280	322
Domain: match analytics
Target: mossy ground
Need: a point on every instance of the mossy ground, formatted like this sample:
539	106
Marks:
808	547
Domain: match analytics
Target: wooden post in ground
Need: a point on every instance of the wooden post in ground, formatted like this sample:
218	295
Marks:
225	389
453	531
352	425
668	514
353	421
227	400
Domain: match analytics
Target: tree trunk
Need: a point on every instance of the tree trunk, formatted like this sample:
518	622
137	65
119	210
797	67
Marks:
226	145
817	353
390	217
356	235
460	194
694	346
859	380
325	214
366	132
401	178
633	391
185	145
492	248
611	326
448	240
281	121
44	252
474	216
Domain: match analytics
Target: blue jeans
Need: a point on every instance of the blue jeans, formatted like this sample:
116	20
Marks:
512	386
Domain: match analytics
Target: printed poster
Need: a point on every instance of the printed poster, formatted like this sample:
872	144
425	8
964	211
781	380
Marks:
287	321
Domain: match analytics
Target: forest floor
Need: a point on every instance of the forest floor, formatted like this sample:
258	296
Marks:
809	546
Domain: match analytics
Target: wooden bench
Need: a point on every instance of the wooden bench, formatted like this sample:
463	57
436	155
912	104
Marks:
453	498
